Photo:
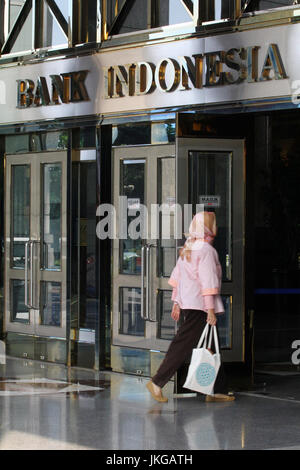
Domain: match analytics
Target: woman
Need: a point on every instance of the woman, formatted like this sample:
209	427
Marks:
196	282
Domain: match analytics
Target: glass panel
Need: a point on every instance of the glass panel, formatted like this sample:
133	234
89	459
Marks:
113	9
50	304
276	232
132	185
163	132
75	271
167	197
52	33
267	4
2	251
84	302
210	176
51	213
172	12
16	144
54	140
84	138
48	141
20	213
19	312
15	7
64	8
36	142
131	322
225	323
213	10
166	326
24	39
127	134
137	18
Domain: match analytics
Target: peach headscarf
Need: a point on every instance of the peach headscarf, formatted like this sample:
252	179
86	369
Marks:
204	228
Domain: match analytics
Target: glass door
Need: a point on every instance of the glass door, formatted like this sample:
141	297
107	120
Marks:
211	175
35	239
144	249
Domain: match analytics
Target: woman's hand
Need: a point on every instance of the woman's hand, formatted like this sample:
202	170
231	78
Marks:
211	317
175	312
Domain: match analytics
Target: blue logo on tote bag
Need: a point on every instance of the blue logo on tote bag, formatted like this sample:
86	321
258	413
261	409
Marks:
205	374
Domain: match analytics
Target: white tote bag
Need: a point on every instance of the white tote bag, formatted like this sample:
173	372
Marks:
204	365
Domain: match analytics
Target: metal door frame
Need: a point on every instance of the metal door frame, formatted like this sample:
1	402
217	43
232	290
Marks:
150	154
235	287
35	160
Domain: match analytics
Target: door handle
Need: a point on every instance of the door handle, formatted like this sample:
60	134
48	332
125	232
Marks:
45	255
146	263
148	282
31	272
148	258
228	266
143	283
34	268
26	275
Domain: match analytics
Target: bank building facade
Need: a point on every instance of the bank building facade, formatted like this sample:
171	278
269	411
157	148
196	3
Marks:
131	104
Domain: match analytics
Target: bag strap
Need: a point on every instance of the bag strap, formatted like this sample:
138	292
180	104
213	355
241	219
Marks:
203	337
216	340
210	337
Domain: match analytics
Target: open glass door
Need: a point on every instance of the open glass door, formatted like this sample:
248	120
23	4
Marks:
143	256
35	237
210	172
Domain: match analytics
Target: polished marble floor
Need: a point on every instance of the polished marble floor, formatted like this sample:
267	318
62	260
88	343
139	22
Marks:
45	406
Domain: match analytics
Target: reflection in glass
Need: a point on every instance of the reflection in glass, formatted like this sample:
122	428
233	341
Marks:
225	323
166	325
15	6
132	185
163	132
267	4
19	311
172	12
52	33
210	174
84	305
137	17
131	322
167	201
24	39
16	144
165	12
36	142
131	134
51	303
20	213
51	212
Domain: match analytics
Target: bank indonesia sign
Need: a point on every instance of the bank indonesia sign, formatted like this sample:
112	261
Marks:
257	65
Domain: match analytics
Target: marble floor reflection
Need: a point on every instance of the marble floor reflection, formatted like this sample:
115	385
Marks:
52	407
41	386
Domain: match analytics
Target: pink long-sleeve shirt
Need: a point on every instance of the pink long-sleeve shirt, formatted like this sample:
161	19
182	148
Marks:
197	283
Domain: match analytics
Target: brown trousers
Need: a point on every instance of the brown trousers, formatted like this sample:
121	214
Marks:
181	348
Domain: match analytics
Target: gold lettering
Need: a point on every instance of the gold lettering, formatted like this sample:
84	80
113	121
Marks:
273	62
24	93
41	96
60	88
160	75
122	80
232	60
144	78
108	82
190	71
78	88
214	68
250	54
